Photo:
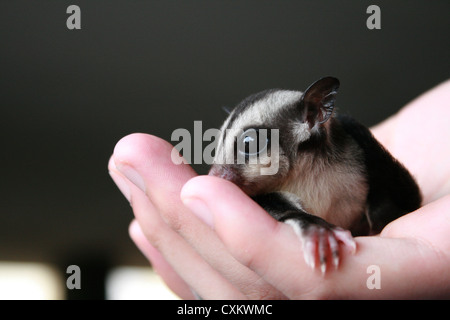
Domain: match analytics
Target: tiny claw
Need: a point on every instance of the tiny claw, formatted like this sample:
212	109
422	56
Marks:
346	237
323	268
309	252
321	244
323	250
334	247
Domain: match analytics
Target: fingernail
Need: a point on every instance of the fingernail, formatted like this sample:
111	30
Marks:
121	184
200	209
131	174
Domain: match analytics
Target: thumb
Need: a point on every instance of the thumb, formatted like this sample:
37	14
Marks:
249	233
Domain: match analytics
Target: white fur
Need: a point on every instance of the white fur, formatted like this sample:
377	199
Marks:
263	110
301	131
257	114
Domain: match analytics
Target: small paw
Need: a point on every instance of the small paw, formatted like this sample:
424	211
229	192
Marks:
321	244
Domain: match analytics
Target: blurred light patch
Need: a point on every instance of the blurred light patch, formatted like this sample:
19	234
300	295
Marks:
30	281
136	283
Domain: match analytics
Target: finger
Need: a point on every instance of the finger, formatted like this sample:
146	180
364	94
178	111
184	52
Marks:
159	264
183	259
146	160
272	250
169	276
254	238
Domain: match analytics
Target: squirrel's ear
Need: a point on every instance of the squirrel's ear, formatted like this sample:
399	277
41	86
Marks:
318	100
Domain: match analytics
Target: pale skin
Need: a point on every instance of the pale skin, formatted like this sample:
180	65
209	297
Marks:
203	234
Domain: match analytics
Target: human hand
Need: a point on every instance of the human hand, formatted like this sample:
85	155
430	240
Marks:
186	252
230	248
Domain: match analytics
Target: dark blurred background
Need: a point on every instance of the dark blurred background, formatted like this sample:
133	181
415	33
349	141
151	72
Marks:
67	96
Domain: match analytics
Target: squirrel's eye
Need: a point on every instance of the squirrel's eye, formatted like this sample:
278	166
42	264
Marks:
253	142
